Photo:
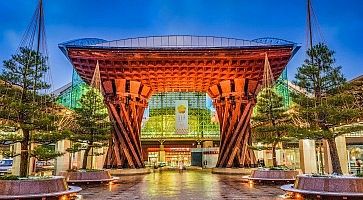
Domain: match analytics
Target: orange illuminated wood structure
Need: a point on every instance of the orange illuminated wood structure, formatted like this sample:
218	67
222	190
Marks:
131	70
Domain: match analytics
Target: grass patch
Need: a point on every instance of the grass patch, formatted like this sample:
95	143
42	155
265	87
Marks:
9	177
13	177
282	167
84	170
321	175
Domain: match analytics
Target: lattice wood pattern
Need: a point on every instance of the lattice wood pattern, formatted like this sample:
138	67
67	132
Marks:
179	70
126	101
234	101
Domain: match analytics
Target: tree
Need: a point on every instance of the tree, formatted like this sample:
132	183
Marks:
24	108
328	107
93	128
45	153
271	121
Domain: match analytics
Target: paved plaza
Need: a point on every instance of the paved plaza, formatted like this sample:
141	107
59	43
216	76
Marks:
186	185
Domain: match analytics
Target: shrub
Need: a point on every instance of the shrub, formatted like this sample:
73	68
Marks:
10	177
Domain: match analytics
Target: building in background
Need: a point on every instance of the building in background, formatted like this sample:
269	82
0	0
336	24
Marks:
355	140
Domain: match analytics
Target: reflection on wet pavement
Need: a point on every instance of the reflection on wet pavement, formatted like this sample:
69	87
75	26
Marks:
186	185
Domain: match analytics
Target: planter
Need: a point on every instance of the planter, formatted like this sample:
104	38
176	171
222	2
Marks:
36	187
232	171
87	176
130	172
342	186
274	174
329	183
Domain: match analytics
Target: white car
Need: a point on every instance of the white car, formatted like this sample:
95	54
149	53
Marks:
5	166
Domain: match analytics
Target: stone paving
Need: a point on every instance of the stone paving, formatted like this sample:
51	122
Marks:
187	185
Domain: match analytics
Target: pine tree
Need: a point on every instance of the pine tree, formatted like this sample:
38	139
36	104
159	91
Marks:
93	128
328	106
271	121
25	109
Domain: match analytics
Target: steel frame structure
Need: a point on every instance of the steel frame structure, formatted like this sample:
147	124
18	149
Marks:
131	70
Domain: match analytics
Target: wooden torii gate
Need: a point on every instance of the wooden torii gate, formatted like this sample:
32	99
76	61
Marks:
234	101
130	74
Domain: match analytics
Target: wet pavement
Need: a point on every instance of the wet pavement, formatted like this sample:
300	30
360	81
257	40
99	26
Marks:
186	185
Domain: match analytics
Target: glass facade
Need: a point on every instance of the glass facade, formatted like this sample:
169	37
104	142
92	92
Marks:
160	119
282	88
70	96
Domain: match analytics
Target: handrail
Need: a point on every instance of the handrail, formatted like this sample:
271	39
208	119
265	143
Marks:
176	41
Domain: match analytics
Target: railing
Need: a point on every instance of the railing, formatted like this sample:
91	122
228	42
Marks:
189	41
175	41
272	41
355	134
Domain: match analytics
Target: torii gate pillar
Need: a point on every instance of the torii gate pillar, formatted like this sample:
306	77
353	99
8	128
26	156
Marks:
126	101
234	101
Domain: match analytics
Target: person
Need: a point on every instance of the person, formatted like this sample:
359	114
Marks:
261	163
358	163
180	167
155	166
205	163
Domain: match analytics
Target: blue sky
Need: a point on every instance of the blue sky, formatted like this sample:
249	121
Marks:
341	23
